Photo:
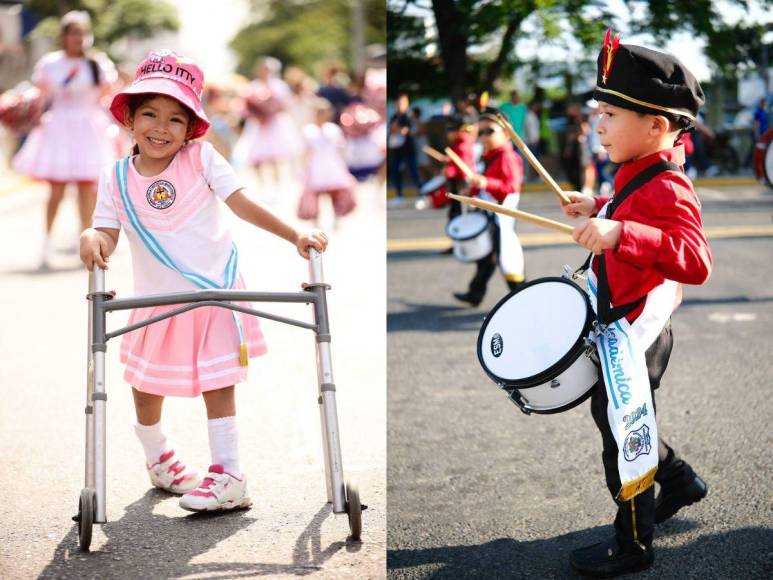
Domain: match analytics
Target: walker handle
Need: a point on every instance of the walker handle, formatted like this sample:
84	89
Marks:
316	274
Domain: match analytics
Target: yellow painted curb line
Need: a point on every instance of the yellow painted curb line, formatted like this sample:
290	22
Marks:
550	239
538	187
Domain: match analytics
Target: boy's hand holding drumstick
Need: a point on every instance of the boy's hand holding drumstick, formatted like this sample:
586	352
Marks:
595	234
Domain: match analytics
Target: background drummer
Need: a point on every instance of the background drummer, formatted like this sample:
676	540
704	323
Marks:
460	131
500	182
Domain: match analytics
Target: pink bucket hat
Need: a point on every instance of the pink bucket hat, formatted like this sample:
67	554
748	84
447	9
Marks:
167	73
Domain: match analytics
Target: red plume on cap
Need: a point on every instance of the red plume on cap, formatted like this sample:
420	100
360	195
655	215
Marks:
609	50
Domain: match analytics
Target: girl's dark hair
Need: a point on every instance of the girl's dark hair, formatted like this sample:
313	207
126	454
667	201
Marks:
136	101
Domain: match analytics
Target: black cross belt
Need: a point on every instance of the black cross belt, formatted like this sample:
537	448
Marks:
607	314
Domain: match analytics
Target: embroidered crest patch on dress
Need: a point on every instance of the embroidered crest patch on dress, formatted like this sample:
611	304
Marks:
161	194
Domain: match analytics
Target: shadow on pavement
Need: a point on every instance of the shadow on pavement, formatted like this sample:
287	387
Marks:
436	317
146	545
734	553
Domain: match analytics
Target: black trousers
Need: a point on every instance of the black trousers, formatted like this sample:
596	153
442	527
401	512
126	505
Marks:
672	471
455	207
485	268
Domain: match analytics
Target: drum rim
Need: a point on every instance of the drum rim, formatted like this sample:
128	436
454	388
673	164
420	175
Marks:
424	191
473	236
559	366
527	409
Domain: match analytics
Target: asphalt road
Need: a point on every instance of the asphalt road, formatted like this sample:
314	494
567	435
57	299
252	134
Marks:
290	531
479	490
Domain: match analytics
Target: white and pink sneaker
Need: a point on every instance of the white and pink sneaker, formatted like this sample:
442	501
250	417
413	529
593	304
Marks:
218	491
172	475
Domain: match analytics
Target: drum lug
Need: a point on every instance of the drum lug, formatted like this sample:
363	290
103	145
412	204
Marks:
555	383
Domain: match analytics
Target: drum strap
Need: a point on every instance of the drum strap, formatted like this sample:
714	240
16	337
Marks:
608	314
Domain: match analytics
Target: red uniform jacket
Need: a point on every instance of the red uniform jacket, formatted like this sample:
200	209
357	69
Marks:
463	147
662	233
503	173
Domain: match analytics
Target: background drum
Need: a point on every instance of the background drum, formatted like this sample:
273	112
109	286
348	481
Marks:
435	188
535	344
471	235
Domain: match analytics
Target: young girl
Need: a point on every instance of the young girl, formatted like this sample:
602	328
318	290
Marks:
166	198
326	170
72	143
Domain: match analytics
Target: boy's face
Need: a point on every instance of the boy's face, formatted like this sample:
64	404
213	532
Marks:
625	134
490	135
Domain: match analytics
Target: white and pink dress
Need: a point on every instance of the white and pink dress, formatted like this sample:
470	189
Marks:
198	350
326	171
275	137
75	139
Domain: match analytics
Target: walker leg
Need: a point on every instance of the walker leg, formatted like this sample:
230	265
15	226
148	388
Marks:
99	397
334	476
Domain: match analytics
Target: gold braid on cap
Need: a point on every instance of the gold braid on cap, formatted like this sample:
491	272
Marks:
678	112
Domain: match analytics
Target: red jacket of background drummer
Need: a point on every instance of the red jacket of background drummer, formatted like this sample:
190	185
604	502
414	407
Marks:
662	233
504	172
463	147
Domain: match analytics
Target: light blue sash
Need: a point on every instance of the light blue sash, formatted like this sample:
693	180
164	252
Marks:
153	246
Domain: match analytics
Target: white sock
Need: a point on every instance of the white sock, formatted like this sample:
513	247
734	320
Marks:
224	444
153	441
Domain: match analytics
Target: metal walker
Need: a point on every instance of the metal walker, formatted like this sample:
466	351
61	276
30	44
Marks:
344	495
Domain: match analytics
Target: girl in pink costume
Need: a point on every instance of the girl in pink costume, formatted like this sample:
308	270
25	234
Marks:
166	197
72	144
326	171
270	135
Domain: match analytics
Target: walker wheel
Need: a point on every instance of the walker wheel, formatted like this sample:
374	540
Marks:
85	517
354	511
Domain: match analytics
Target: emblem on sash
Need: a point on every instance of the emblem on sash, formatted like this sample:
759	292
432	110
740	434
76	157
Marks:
161	194
637	443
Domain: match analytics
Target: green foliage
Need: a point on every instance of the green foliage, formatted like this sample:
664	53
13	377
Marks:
111	19
304	32
491	57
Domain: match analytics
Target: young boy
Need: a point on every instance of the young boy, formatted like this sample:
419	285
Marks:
647	240
500	182
460	132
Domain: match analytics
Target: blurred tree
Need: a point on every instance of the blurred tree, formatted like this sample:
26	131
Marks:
304	32
111	19
475	39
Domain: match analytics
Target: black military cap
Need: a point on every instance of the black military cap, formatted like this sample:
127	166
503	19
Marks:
459	121
646	81
490	114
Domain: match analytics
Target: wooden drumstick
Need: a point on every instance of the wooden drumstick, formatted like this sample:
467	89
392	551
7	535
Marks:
435	154
528	217
460	163
532	160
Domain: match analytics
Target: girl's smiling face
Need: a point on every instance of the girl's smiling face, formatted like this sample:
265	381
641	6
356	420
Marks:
161	126
623	133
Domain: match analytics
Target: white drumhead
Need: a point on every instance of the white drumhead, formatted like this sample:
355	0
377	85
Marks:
466	226
435	183
533	330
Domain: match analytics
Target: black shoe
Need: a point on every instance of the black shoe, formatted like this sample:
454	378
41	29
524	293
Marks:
608	559
672	499
468	298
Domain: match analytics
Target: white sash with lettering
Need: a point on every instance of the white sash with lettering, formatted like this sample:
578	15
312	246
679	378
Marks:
621	347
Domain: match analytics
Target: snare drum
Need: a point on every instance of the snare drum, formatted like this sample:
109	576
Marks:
471	235
536	345
435	188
